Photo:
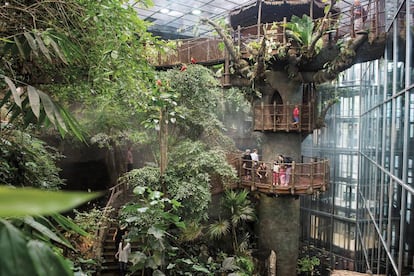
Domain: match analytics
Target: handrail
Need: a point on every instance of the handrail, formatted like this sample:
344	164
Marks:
206	50
115	191
304	178
278	117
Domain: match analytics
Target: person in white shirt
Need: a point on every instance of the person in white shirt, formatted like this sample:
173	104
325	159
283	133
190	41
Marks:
124	249
255	157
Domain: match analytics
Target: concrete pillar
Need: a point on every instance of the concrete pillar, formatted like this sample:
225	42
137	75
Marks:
278	230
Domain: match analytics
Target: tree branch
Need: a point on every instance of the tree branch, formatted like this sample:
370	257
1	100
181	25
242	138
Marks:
320	31
240	64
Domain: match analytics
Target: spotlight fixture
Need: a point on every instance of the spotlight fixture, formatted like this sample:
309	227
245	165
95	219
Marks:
164	10
196	12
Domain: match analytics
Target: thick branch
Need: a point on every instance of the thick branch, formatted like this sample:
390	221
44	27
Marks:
320	121
320	31
240	64
359	50
227	41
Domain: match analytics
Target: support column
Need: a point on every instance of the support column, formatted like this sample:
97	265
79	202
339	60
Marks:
279	231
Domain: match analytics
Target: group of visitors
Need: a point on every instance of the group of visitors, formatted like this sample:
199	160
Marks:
253	169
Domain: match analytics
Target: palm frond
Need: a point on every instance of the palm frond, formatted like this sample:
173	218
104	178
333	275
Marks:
219	229
192	231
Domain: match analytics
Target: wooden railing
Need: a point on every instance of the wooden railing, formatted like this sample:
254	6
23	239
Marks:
278	117
115	192
211	50
301	179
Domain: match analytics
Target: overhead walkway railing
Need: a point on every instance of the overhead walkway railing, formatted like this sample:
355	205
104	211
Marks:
212	50
278	117
306	178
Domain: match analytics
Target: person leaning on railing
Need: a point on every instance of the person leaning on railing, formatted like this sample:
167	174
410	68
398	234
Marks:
359	16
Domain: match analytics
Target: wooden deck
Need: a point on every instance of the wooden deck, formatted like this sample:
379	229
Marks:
304	179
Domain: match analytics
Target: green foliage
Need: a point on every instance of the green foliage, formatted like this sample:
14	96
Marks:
237	210
27	201
190	174
307	264
188	178
197	94
27	161
151	220
34	245
51	52
28	257
302	31
83	236
246	265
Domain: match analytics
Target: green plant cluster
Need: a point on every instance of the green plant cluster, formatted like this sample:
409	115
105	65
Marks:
27	161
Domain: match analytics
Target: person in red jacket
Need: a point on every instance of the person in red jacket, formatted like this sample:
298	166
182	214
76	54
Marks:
296	115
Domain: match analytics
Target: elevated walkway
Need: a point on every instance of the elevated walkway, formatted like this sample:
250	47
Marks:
210	51
278	117
306	178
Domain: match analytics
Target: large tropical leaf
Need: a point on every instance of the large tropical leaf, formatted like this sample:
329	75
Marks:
68	224
17	202
14	92
38	108
46	232
45	261
15	259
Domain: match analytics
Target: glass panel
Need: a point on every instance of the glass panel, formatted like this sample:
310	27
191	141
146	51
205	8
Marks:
390	10
410	54
410	149
399	136
401	47
387	142
390	64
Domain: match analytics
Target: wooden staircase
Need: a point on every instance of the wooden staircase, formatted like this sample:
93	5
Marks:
120	195
109	262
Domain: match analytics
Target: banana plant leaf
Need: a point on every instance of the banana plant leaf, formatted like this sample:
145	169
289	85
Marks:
18	202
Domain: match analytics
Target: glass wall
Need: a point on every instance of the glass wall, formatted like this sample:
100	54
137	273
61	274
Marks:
365	220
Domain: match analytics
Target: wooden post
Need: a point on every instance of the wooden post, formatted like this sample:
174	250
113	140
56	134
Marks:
284	30
238	37
311	10
226	68
188	52
311	173
272	263
208	49
262	109
274	116
163	148
287	117
259	19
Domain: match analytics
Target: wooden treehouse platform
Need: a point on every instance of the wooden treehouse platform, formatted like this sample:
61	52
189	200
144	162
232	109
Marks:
278	117
306	178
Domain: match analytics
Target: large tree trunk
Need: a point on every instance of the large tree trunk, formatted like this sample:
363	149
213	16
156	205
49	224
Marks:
279	231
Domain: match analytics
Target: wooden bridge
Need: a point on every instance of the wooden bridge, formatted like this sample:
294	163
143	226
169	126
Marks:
307	178
212	51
